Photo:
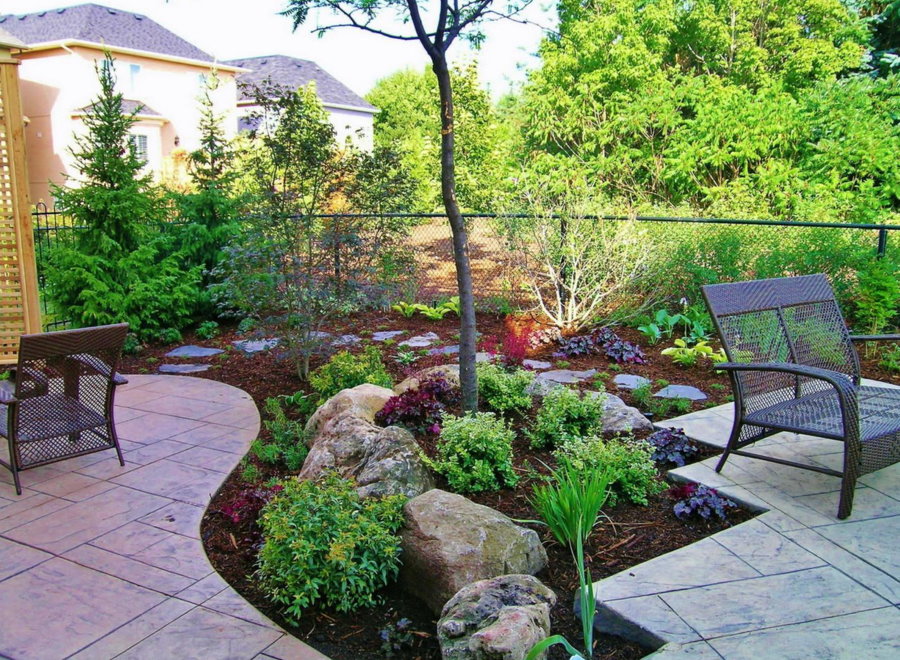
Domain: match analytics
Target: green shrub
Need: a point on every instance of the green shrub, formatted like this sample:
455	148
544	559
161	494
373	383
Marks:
629	461
287	442
475	453
504	390
890	358
877	296
348	370
322	542
566	413
207	330
165	335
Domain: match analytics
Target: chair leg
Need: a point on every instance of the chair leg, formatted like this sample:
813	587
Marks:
732	444
18	483
115	438
848	489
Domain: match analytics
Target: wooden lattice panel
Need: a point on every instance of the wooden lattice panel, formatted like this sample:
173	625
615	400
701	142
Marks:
18	283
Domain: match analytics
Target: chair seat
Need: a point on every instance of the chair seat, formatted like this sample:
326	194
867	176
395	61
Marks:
49	416
820	413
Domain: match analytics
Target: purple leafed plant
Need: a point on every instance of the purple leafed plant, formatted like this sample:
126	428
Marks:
419	410
603	341
672	446
624	352
696	500
248	503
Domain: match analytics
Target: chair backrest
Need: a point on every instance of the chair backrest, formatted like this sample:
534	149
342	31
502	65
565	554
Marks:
77	363
790	319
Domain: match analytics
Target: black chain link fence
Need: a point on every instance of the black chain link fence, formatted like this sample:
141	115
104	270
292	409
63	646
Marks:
687	253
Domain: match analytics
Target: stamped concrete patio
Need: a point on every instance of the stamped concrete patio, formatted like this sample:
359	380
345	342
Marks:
795	582
103	561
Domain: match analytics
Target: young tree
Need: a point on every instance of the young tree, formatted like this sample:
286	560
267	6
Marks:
448	20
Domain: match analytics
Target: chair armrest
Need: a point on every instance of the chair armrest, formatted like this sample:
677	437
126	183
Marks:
119	379
841	382
874	337
6	397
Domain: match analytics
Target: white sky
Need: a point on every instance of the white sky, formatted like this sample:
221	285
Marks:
230	29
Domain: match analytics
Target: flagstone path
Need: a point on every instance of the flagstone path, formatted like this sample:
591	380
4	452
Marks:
794	582
103	561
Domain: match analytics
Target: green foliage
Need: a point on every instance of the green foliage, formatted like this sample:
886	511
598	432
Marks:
207	330
626	461
249	472
688	356
165	335
132	345
659	407
475	453
287	444
877	296
346	370
566	414
503	390
405	309
890	358
121	266
323	543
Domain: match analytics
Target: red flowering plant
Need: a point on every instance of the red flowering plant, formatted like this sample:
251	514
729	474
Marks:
512	349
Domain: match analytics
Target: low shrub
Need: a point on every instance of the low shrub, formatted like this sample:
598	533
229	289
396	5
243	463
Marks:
420	410
323	543
475	453
346	370
565	413
503	390
628	461
604	342
890	358
287	438
207	330
695	500
672	446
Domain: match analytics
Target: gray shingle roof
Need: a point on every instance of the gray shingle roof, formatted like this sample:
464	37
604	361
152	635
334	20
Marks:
128	106
99	24
293	73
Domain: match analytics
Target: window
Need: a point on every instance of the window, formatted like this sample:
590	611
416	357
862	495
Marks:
127	76
139	143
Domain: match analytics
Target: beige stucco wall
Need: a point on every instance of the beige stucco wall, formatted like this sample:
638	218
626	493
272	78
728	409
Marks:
57	82
355	125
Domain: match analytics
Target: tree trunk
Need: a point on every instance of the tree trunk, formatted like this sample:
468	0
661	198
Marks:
467	377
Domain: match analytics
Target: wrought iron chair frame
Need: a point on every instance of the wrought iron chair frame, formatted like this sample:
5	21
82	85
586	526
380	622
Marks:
72	354
861	454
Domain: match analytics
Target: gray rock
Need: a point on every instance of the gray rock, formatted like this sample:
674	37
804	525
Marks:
182	368
342	437
449	371
500	617
449	542
482	356
321	336
444	350
347	340
547	380
193	352
254	346
420	341
540	387
387	334
681	392
618	417
630	382
536	365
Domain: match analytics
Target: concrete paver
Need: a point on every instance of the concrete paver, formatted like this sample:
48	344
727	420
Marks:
795	582
100	561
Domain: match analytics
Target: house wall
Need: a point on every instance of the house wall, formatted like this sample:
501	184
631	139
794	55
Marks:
58	82
357	125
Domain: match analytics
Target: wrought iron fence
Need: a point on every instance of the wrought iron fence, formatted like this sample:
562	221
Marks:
690	252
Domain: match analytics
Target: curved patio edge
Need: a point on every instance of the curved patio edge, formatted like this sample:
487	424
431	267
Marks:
793	582
103	561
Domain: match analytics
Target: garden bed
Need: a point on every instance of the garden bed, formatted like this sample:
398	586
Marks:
631	535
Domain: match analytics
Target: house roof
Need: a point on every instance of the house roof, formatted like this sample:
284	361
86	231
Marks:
129	106
290	72
102	25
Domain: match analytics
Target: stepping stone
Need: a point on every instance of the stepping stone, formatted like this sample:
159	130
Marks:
182	368
193	352
252	347
566	376
681	392
536	365
347	340
386	334
420	341
630	382
444	350
319	335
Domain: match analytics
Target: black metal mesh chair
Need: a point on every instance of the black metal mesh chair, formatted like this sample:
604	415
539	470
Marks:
793	367
62	402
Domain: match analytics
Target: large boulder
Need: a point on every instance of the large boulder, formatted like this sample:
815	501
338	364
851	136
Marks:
496	619
449	542
448	371
619	417
362	402
342	437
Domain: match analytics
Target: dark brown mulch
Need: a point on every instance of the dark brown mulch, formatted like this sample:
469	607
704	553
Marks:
633	534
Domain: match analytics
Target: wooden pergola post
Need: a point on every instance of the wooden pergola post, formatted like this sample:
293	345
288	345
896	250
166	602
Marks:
19	303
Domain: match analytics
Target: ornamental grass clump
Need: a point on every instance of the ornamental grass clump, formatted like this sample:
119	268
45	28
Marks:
504	390
475	453
565	414
324	544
